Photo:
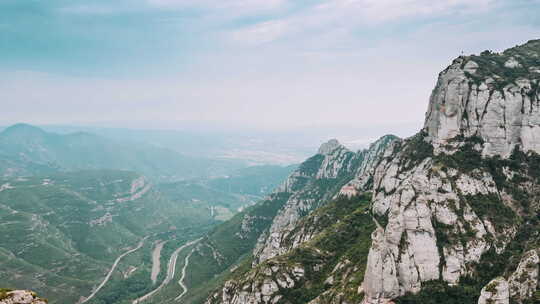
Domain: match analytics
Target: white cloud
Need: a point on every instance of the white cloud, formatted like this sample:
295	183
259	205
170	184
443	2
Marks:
309	66
375	11
91	9
262	33
345	16
241	6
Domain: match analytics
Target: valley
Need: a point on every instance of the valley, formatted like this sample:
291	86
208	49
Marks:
171	269
120	226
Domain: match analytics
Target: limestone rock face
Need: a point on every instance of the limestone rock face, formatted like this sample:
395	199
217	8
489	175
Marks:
496	292
524	281
520	286
332	162
315	182
22	297
411	200
260	286
475	108
503	112
338	165
467	184
329	147
369	160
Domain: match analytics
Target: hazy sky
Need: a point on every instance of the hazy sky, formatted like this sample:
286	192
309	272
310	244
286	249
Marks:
251	63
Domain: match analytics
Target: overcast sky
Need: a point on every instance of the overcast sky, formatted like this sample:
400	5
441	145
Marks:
250	63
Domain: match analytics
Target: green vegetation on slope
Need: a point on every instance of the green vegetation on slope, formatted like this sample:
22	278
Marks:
228	245
54	226
523	213
343	228
256	180
494	64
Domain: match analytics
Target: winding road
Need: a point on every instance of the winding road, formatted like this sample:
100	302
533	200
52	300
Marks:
181	281
108	276
170	272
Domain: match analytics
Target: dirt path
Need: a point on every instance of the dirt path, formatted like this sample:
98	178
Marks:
112	270
156	261
181	281
170	272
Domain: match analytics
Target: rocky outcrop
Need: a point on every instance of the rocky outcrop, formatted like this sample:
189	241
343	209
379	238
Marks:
520	286
431	203
524	281
338	166
412	205
332	164
261	286
496	292
138	188
370	158
322	261
20	297
496	101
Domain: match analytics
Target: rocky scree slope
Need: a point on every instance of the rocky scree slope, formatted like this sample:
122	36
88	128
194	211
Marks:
453	213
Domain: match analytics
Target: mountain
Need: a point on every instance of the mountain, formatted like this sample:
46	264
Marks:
450	215
257	147
28	150
311	185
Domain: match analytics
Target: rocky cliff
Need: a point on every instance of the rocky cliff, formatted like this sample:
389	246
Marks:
491	96
452	213
473	186
333	163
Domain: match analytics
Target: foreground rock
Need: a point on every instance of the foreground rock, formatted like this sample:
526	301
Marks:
20	297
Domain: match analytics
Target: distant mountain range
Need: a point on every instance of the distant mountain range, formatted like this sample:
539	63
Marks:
29	150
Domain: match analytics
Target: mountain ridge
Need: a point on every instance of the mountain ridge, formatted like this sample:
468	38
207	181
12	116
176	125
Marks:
453	209
29	150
